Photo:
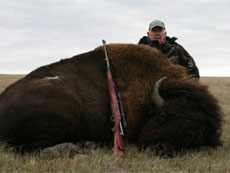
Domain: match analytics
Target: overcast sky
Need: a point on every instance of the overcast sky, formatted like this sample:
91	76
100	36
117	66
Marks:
39	32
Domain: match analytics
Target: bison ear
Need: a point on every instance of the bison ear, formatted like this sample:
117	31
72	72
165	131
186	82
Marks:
157	99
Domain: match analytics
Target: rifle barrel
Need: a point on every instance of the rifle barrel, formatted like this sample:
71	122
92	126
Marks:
106	55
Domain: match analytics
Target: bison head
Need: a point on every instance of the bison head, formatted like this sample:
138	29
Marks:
186	117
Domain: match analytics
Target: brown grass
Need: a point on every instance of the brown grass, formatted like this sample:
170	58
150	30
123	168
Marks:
103	160
6	80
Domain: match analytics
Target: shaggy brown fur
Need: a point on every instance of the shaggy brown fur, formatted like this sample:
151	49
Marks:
187	120
73	105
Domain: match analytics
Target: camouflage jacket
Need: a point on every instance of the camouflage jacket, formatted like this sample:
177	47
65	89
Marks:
175	53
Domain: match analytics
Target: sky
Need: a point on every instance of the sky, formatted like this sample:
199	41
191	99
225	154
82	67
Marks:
34	33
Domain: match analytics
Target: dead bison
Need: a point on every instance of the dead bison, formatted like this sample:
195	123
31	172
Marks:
68	101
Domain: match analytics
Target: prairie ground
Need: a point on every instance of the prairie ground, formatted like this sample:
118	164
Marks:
102	159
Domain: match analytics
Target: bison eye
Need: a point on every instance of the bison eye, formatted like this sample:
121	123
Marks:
163	117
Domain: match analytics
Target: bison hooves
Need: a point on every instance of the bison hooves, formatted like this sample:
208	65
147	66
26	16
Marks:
161	149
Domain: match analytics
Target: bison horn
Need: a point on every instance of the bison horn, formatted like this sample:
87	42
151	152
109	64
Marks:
157	99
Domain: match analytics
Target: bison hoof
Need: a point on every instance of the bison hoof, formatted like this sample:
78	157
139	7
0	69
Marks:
164	150
161	149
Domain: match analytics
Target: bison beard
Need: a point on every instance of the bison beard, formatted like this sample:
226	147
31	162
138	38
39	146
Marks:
68	101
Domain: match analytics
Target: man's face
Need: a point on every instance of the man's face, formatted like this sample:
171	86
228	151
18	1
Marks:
157	34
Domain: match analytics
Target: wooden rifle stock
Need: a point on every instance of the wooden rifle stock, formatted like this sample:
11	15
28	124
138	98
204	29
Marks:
118	140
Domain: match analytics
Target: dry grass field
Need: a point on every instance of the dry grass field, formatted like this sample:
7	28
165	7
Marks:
102	159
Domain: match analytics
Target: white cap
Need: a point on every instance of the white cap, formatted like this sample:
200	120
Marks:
156	23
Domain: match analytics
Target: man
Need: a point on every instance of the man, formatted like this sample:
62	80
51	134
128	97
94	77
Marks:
176	53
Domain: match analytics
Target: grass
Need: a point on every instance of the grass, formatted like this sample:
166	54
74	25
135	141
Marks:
102	159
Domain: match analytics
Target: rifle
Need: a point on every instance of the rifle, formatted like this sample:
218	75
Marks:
117	129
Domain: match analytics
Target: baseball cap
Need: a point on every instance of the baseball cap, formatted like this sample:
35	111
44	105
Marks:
156	23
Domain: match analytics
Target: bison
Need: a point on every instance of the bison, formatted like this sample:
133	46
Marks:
68	101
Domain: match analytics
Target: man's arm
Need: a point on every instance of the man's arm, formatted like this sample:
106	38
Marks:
192	68
189	63
143	40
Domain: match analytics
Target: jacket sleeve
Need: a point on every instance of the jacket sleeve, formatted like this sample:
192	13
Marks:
143	40
189	63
